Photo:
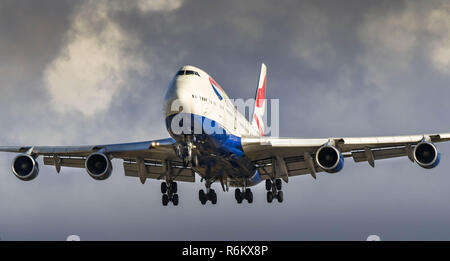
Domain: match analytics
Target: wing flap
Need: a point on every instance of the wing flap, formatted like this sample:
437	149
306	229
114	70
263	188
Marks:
156	170
295	165
378	154
65	162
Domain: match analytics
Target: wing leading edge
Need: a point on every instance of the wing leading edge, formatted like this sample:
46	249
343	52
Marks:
114	149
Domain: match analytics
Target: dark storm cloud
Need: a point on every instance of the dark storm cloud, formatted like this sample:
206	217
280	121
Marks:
355	68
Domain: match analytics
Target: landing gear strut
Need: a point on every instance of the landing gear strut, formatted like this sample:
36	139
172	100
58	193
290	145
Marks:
169	190
185	151
274	190
210	194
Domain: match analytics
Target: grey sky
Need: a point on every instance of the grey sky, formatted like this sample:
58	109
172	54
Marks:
86	72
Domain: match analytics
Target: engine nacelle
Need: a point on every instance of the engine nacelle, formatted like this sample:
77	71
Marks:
98	166
330	159
25	167
427	155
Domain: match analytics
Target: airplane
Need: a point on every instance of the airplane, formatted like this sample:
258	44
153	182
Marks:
235	153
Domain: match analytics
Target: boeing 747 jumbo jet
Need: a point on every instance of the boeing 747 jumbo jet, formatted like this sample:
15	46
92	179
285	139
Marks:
228	150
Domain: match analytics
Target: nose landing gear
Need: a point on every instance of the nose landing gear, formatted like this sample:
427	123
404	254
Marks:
186	151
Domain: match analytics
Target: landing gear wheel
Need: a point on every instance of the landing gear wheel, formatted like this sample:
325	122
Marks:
175	199
163	188
247	193
238	196
195	161
269	196
165	200
202	196
250	197
268	184
212	196
278	184
280	196
174	187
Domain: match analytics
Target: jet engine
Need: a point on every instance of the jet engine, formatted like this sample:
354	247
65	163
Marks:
98	166
25	167
427	155
329	159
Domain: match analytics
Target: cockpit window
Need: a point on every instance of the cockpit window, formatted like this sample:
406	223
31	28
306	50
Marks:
192	72
188	72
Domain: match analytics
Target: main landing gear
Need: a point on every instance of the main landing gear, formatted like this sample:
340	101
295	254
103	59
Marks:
274	190
210	194
245	194
169	190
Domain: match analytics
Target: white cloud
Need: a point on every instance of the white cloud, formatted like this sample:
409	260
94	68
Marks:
96	60
159	5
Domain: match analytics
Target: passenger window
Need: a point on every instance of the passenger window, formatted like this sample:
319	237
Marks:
181	72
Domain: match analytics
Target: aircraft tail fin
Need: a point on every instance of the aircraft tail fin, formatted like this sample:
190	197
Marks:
260	101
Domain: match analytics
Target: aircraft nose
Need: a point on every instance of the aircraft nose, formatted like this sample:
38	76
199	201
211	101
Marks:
178	96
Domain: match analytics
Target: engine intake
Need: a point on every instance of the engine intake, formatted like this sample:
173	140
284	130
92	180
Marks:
329	159
427	155
25	167
98	166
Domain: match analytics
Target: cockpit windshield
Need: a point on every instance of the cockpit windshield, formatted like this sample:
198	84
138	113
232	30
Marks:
188	72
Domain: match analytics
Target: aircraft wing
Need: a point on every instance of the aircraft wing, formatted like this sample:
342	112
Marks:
284	157
156	157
